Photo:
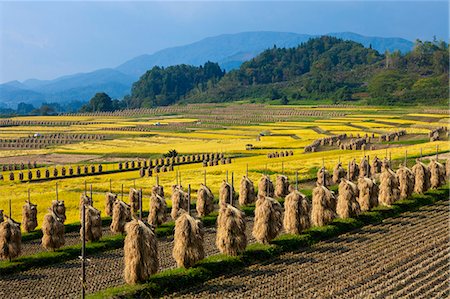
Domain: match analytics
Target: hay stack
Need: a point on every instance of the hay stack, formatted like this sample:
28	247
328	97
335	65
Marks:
339	173
353	170
268	219
376	165
320	176
29	216
133	197
265	187
179	201
225	193
447	168
281	186
389	191
140	252
110	198
53	227
246	192
93	224
364	168
421	177
231	238
406	181
157	214
437	174
188	241
86	200
1	216
121	215
296	213
205	201
10	239
323	206
347	203
368	194
158	189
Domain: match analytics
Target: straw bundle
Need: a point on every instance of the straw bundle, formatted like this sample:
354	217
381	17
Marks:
296	213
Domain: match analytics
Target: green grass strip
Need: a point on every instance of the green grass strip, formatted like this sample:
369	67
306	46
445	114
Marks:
177	279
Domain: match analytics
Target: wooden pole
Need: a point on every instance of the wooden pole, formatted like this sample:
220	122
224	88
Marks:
368	166
85	188
232	188
282	167
122	192
189	199
437	152
140	204
157	180
296	180
91	196
28	194
10	209
83	251
56	189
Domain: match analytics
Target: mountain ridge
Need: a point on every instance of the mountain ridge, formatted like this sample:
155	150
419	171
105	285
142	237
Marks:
229	50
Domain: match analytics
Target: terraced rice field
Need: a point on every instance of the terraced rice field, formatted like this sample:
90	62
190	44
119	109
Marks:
403	257
191	130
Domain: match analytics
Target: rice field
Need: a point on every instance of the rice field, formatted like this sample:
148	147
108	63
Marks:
358	267
174	132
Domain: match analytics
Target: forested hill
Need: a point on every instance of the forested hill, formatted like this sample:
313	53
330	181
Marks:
324	68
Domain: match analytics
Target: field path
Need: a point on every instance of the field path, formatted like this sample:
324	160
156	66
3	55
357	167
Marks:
404	257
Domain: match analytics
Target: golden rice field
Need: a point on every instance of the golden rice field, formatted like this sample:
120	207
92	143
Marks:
189	135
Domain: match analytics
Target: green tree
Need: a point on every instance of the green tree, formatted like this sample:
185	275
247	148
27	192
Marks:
101	102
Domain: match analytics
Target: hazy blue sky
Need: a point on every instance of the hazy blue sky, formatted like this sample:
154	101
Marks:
48	39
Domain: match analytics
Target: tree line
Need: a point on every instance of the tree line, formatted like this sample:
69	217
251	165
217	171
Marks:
323	68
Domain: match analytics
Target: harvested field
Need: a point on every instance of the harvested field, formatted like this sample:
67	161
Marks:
403	257
104	270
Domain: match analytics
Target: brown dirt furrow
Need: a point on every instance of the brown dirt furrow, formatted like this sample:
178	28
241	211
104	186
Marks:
72	238
399	257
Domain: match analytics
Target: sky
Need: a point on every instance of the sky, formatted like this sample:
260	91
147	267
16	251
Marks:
45	40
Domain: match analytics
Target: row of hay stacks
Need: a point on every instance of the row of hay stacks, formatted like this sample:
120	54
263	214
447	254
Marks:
299	214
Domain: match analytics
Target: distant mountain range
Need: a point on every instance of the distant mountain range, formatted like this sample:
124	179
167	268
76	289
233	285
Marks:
229	50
